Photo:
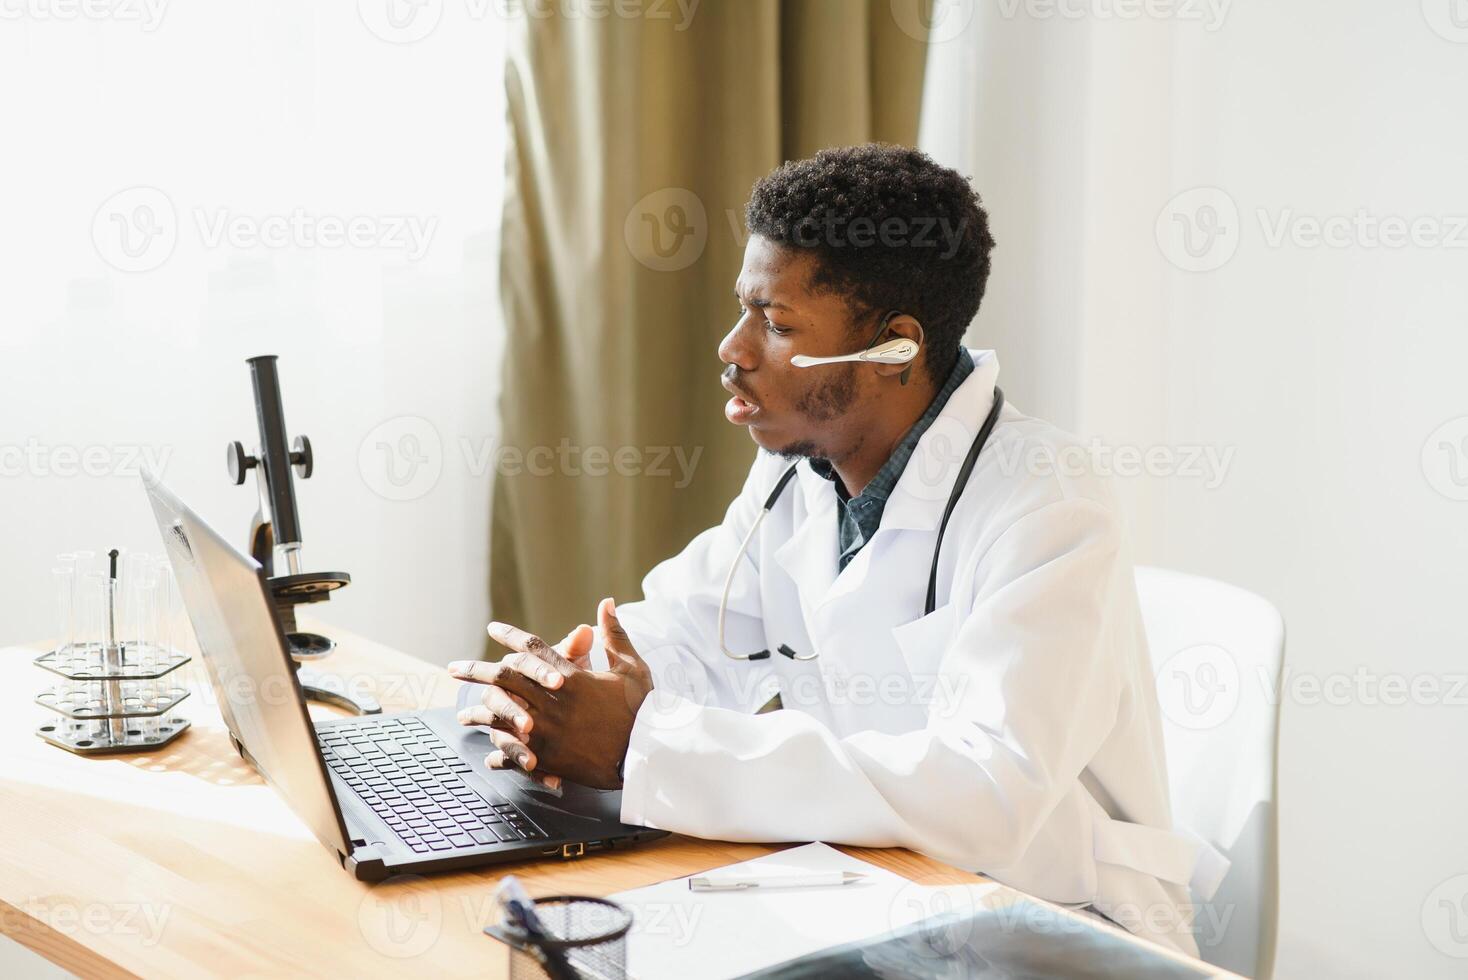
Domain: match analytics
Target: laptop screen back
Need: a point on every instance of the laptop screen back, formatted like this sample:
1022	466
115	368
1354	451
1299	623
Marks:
245	656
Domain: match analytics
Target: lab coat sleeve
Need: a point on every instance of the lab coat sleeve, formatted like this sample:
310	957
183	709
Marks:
1033	691
674	627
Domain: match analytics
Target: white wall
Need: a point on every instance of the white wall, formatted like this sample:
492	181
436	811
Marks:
1324	370
260	118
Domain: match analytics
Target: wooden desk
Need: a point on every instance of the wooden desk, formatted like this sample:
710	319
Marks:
182	863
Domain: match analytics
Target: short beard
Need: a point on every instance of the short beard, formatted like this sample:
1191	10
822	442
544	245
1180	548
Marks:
824	403
799	450
830	401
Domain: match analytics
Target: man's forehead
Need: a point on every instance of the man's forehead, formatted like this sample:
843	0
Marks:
775	275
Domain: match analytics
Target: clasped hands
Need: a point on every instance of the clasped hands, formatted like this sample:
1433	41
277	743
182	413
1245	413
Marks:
552	716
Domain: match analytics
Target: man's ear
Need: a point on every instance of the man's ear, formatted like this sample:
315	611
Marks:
902	325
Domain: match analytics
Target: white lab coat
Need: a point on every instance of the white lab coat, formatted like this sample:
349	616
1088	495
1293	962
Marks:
1014	731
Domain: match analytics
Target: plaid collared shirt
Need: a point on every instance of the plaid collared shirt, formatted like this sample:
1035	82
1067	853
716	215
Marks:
857	518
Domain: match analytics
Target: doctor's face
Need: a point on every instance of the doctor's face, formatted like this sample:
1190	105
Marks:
790	410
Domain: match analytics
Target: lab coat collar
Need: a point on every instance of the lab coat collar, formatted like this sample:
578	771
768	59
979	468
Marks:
809	555
916	502
921	493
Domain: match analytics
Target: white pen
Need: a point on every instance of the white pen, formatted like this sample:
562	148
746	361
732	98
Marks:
723	883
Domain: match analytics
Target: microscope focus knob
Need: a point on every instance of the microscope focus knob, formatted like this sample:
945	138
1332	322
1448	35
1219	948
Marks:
238	461
301	457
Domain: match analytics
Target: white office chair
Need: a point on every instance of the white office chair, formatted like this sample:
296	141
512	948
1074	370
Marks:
1217	654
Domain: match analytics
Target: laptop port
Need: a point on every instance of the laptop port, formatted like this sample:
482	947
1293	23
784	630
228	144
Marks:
572	850
596	845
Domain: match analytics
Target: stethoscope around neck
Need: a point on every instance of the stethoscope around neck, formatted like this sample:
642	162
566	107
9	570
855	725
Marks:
963	474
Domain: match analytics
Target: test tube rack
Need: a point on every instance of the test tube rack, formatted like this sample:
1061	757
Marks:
118	694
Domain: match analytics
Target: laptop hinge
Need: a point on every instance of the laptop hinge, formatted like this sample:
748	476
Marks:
364	868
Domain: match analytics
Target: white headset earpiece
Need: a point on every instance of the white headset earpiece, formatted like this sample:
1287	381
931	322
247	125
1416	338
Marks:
899	351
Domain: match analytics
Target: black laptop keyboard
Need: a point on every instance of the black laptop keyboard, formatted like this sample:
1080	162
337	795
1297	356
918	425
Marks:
411	779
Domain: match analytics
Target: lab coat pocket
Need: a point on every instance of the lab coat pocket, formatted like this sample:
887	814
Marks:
924	640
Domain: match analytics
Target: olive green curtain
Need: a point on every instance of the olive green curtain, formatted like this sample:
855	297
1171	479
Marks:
633	144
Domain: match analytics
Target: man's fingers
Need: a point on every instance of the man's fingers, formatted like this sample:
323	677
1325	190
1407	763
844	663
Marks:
478	671
534	658
511	751
576	647
534	667
552	783
522	642
522	664
499	708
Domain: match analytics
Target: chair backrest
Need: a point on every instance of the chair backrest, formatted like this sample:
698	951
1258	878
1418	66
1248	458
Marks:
1217	655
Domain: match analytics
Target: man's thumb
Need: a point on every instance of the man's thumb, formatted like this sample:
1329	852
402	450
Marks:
576	647
618	644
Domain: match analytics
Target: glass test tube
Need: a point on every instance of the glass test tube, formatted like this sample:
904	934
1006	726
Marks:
64	578
85	659
91	612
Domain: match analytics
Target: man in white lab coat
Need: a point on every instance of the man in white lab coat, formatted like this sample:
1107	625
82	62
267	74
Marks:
1014	730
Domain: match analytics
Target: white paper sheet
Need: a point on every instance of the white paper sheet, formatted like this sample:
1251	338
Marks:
678	933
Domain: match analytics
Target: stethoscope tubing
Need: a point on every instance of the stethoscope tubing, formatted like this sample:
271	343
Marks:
964	472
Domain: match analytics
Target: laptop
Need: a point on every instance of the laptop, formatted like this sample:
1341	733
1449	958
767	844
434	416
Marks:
388	794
